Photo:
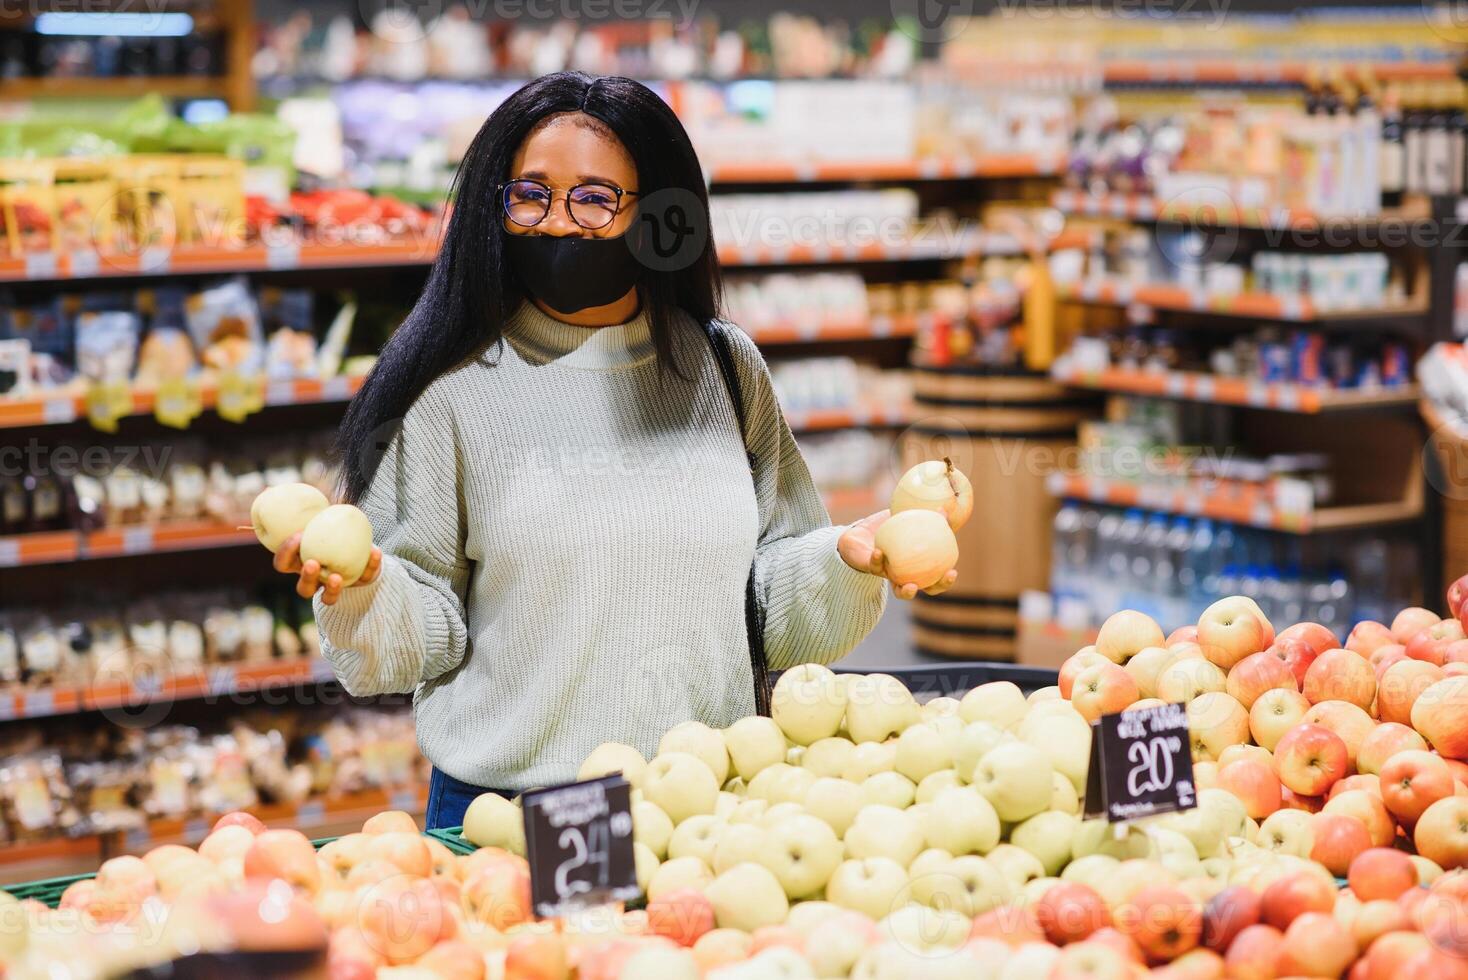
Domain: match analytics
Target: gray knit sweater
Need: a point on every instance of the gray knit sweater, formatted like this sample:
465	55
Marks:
566	538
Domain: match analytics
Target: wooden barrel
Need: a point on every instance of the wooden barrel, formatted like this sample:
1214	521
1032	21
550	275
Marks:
1007	430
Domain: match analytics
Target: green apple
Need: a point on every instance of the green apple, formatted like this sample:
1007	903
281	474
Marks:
927	862
675	874
878	706
1122	841
972	743
802	851
835	801
1063	795
940	707
1048	837
884	831
1015	778
1288	832
935	783
868	759
961	821
1034	890
889	788
651	826
781	783
746	897
1016	863
283	510
681	784
1064	737
697	836
1091	870
828	756
923	928
646	864
1000	703
737	843
340	539
726	804
922	750
493	821
806	916
748	811
1032	961
778	812
753	744
835	944
808	703
895	960
871	886
701	742
610	757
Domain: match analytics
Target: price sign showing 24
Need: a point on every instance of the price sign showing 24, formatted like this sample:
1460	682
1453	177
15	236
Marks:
1152	770
583	852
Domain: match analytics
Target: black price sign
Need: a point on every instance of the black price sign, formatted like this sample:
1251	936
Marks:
1141	764
578	839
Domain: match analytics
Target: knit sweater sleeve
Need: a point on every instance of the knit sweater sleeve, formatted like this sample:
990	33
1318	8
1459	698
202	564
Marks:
816	607
408	625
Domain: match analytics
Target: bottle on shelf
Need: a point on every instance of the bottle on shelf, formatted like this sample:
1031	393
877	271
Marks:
1392	151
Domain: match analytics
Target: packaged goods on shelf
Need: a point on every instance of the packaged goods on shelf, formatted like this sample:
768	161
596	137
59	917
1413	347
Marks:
814	218
170	635
1297	357
1443	375
818	384
853	459
1172	567
54	783
765	301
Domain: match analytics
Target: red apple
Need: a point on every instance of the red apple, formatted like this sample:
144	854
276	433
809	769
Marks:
1347	720
1385	741
1074	664
537	956
1400	686
1227	914
285	854
1383	657
1275	712
1375	919
1441	833
768	937
498	894
403	918
1381	872
1338	840
1455	668
1443	919
1455	652
1163	920
1257	673
1340	675
1457	592
1386	957
681	915
1231	629
1368	636
1309	758
227	842
240	818
351	956
1316	945
1254	783
1070	911
1410	620
1294	894
1183	634
453	959
1297	655
1253	955
1012	924
1430	643
1125	633
1118	941
1441	716
1315	636
1369	810
390	820
1437	964
1102	689
1362	780
408	852
1290	800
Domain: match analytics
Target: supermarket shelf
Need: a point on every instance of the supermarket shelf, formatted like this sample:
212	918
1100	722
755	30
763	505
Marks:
1218	390
168	86
851	505
1263	306
307	816
199	260
216	680
929	168
51	547
819	420
1247	509
877	327
1144	207
59	409
933	245
1231	72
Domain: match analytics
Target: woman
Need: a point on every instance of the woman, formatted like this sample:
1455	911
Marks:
555	473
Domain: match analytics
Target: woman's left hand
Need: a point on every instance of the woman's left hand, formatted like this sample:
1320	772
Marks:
858	548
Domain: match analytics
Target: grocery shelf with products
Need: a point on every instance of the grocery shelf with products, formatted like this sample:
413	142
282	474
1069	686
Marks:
1176	304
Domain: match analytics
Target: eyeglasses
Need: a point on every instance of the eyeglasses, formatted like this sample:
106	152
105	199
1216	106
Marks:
591	206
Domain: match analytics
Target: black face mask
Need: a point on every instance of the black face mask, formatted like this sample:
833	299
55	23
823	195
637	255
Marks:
572	274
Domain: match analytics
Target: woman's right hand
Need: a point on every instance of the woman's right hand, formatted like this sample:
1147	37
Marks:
288	560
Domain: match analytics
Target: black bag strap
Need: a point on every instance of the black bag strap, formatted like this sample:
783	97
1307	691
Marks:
754	619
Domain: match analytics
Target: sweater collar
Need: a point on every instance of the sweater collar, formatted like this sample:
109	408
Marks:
542	339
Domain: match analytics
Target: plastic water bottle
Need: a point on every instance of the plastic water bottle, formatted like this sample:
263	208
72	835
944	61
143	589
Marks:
1372	580
1202	579
1104	577
1180	579
1131	562
1157	585
1063	579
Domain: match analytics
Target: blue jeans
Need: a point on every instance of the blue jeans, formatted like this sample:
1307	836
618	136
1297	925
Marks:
448	798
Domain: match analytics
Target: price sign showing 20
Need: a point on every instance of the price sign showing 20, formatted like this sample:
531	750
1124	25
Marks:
1152	764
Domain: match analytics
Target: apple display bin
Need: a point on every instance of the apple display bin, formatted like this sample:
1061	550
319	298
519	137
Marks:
1448	441
1007	430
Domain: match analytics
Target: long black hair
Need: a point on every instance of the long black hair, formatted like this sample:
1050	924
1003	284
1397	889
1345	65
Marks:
471	291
